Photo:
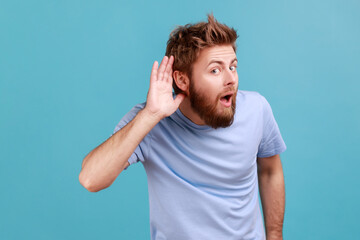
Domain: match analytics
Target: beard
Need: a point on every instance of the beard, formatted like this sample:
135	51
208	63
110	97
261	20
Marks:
208	111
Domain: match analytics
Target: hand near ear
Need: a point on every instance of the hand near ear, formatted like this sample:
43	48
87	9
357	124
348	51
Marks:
160	102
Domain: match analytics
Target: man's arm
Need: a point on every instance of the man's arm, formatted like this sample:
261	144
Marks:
102	165
272	193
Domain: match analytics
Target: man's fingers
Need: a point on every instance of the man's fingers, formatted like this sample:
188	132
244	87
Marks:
166	76
153	75
169	64
162	68
164	72
170	78
168	70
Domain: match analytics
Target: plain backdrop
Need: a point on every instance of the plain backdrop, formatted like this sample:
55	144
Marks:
69	71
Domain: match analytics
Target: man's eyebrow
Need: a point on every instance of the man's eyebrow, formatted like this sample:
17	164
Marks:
234	60
221	62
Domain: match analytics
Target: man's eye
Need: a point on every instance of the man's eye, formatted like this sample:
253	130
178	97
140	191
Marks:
232	68
215	70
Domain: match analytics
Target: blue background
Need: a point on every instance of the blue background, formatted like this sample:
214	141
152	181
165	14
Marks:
69	70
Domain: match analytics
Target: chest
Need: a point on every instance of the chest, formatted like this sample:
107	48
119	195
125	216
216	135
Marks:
217	159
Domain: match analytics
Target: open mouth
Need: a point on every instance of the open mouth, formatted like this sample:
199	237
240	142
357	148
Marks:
227	97
226	100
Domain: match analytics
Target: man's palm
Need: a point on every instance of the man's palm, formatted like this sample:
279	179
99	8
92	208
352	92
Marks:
160	98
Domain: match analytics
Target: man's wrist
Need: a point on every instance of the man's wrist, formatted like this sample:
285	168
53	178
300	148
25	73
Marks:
274	235
151	117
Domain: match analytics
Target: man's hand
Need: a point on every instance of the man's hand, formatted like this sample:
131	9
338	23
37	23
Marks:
160	102
103	164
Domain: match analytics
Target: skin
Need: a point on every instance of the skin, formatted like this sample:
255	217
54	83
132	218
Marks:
214	74
272	194
102	165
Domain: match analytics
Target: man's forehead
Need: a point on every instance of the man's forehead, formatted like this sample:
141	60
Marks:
217	53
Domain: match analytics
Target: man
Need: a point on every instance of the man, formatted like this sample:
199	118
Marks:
205	149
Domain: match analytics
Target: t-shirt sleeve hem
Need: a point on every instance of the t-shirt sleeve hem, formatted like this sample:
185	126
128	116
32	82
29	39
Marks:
133	159
273	152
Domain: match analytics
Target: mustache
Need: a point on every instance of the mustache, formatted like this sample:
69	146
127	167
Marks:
227	89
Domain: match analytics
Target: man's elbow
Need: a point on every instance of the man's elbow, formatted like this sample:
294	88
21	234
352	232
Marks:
88	184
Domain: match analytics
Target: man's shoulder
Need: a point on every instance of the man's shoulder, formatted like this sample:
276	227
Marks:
132	113
129	116
248	93
138	107
248	97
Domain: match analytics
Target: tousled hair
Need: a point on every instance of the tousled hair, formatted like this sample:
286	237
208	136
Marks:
186	42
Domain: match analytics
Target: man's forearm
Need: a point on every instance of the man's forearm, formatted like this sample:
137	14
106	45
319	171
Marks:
103	164
272	192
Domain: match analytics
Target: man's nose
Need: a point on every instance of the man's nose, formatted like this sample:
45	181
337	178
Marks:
230	77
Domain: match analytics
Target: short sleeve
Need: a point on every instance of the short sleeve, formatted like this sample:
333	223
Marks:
138	154
272	142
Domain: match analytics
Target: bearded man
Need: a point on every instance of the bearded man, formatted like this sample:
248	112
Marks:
207	148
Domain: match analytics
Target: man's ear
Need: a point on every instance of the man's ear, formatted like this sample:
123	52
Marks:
182	81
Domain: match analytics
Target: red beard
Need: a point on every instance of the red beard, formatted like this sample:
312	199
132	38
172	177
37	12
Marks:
207	110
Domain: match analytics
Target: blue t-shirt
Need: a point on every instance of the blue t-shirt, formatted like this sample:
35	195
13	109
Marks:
202	181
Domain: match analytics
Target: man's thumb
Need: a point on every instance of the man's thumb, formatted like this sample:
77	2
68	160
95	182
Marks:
179	98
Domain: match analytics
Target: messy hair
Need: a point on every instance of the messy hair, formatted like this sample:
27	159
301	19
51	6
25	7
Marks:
185	43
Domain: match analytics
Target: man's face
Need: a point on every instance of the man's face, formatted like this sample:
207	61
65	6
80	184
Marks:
213	85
